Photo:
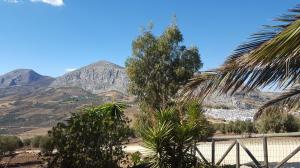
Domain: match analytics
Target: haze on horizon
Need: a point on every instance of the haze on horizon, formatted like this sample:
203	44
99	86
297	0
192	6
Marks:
56	36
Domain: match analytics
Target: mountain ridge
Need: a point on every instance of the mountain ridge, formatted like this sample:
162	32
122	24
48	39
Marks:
22	77
37	100
98	77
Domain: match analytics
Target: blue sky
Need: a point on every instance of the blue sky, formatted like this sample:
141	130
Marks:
51	36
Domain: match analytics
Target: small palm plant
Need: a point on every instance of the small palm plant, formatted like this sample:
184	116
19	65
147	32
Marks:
171	137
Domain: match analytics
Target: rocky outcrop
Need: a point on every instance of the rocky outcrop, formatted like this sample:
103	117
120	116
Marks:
24	77
97	78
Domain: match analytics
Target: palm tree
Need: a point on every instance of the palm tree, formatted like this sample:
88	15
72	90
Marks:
270	57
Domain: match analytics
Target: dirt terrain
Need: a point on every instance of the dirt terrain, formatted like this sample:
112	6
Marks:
34	132
22	160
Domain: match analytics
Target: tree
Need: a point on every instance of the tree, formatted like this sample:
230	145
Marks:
159	66
91	138
271	57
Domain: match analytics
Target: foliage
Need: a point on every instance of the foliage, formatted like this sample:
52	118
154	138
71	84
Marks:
8	144
195	117
136	158
159	66
274	120
91	138
35	141
46	145
26	142
142	120
271	57
171	136
237	127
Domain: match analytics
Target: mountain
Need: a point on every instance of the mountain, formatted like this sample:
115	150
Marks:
28	99
239	106
97	78
24	77
239	100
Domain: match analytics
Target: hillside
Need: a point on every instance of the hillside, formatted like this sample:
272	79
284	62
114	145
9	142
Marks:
46	106
28	99
97	78
22	77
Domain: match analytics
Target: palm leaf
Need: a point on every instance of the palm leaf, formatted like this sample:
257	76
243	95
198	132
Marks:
274	62
199	86
288	100
156	140
270	57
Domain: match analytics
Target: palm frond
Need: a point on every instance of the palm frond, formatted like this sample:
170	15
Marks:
199	86
270	57
288	100
274	62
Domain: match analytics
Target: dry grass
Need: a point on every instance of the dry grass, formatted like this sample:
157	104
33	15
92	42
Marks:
34	132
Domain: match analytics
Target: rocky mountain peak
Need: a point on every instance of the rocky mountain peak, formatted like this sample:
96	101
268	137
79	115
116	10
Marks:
21	77
97	78
104	63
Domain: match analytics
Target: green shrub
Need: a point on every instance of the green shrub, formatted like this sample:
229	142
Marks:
249	127
46	145
26	142
35	141
275	121
292	124
8	144
92	137
237	127
136	158
172	133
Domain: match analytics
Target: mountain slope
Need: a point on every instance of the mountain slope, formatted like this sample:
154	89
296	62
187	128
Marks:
97	78
240	106
28	99
44	107
24	77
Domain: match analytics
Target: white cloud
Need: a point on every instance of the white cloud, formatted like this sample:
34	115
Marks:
12	1
70	69
51	2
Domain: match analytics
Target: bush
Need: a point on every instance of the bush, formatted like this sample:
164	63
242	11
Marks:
172	133
194	117
143	119
46	145
8	144
35	141
26	142
275	121
237	127
92	137
292	124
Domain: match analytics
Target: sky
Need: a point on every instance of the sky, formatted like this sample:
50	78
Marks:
56	36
